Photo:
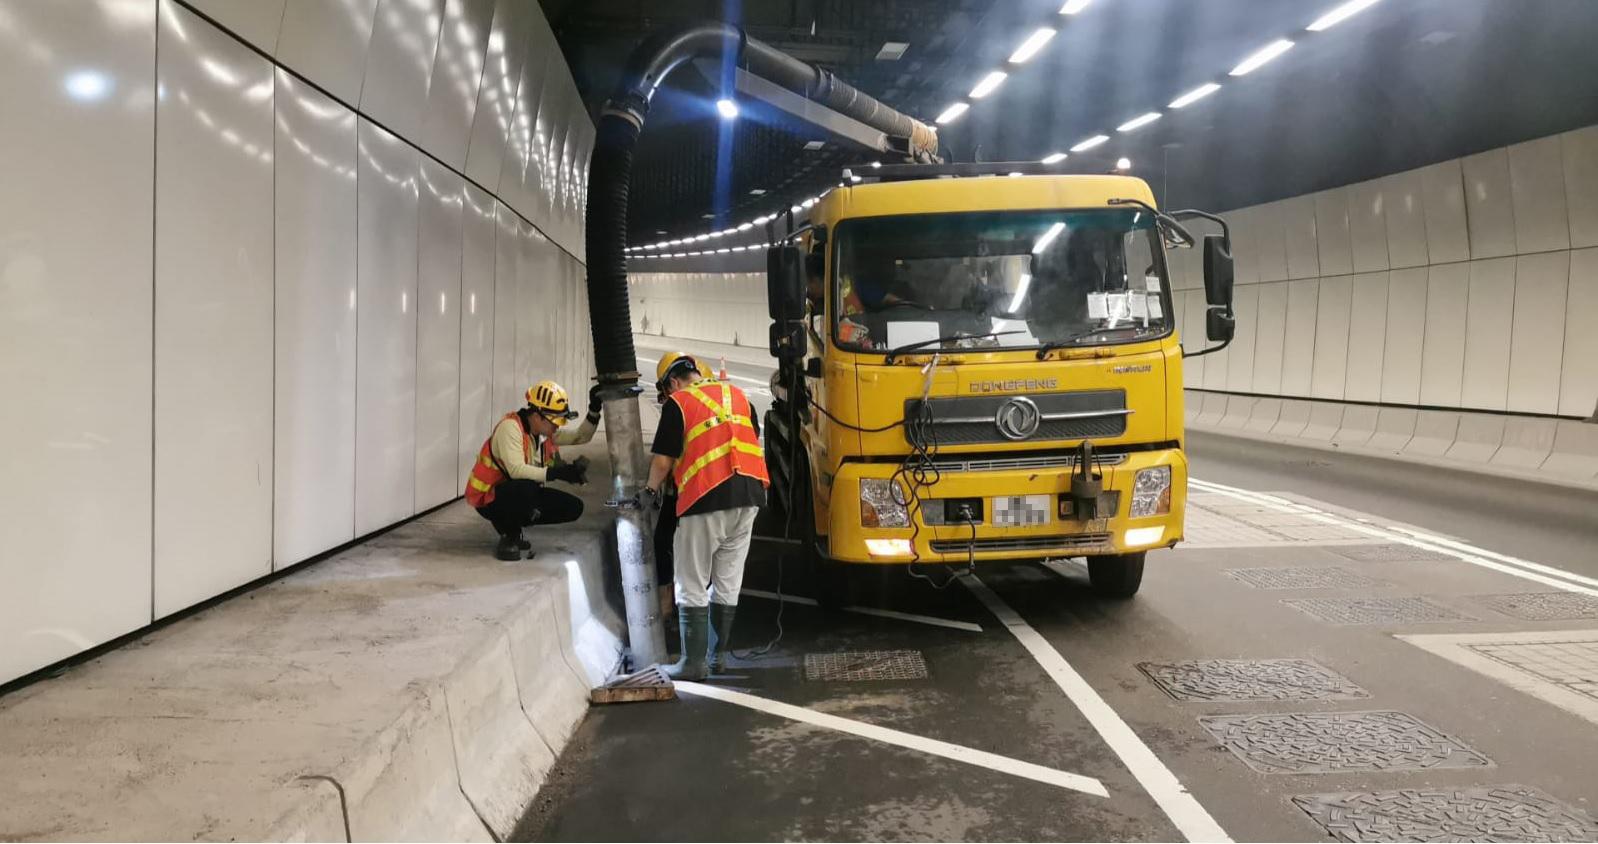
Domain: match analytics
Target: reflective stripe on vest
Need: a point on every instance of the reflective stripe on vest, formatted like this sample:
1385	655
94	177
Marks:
719	441
486	472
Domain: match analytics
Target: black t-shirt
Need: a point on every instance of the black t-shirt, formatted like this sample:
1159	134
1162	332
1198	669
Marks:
737	491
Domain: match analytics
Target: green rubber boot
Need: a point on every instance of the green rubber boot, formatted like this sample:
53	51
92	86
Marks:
694	625
720	634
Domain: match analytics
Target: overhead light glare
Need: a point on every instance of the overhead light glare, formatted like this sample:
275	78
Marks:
1020	293
1123	163
728	109
1054	158
952	113
1138	122
812	146
989	84
1195	95
1259	58
1047	238
892	51
1090	143
1071	7
1340	14
757	192
1031	45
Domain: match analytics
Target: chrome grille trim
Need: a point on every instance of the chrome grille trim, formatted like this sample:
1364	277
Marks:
999	464
1022	543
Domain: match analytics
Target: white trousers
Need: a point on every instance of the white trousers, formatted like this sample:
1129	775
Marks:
709	551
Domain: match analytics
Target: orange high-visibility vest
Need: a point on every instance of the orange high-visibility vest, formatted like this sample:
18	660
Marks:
486	473
718	441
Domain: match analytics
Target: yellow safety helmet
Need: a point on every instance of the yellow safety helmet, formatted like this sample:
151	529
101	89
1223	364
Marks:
673	363
550	399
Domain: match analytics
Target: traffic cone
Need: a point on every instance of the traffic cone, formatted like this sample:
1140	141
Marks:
723	373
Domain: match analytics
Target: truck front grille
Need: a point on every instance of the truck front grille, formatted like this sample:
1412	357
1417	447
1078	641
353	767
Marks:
1020	463
1059	542
971	420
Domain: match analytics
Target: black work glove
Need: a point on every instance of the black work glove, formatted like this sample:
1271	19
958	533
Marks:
575	472
594	404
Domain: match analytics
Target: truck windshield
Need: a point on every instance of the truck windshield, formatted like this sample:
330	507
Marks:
992	280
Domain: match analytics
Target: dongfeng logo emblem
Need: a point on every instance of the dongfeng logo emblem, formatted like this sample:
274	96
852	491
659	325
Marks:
1018	418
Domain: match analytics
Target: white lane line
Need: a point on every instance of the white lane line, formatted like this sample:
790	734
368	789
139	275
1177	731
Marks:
1494	555
909	741
1184	810
1069	569
894	614
761	388
1282	505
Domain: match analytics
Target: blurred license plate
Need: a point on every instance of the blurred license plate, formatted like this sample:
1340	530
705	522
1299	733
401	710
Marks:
1021	510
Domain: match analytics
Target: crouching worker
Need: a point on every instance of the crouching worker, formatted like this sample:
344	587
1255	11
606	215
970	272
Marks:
509	480
709	442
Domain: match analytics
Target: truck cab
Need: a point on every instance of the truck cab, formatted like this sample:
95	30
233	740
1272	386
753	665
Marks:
982	368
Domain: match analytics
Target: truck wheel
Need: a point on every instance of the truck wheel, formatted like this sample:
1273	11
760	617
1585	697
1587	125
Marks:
827	584
1117	576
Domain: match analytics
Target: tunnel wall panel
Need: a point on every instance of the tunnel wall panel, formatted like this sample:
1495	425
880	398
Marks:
438	334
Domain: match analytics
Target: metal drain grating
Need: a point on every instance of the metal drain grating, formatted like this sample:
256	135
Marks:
1544	606
1376	610
1338	742
1503	813
1304	578
1395	553
854	666
1250	679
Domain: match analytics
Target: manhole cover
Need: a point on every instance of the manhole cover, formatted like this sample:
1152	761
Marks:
1336	742
1396	553
1250	679
866	665
1544	606
1304	578
1504	813
1376	610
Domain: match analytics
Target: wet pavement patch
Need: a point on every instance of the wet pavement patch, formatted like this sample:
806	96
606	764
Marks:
855	666
1250	679
1378	610
1327	577
1339	742
1543	606
1504	813
1394	553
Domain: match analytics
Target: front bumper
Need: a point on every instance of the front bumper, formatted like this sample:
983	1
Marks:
1062	536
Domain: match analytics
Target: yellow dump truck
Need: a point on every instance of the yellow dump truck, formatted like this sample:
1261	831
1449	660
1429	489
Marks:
976	366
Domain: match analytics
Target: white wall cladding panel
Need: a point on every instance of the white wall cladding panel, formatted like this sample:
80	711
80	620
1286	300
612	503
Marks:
1367	336
1331	338
399	61
325	41
518	147
256	21
1487	326
314	452
1192	307
477	411
438	334
457	72
1367	226
1270	242
1537	338
1490	210
1443	348
1270	333
385	410
1406	333
1537	187
1331	232
1443	201
1578	380
213	313
1240	355
1244	253
1403	208
1298	353
1580	152
496	95
509	388
73	575
1298	221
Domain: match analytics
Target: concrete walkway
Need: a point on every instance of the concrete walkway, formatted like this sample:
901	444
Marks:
409	687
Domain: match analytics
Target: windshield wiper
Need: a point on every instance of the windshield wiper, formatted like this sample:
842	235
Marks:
1044	349
910	347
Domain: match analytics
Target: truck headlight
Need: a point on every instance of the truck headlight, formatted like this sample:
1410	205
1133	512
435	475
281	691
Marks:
1151	492
879	506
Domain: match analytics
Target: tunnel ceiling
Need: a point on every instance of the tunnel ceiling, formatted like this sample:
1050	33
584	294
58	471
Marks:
1399	85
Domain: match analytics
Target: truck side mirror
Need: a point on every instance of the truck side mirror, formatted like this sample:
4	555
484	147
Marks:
1219	323
813	368
788	340
785	283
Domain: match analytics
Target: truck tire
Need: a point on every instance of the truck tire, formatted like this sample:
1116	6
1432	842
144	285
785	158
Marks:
828	586
1116	576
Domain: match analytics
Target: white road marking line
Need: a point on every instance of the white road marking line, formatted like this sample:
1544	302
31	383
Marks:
1494	555
1282	505
1184	810
909	741
894	614
1069	568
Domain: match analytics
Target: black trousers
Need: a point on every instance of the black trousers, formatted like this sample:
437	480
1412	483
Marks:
515	502
665	531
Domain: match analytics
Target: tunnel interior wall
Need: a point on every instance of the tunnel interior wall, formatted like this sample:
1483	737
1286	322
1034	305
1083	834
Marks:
269	271
717	307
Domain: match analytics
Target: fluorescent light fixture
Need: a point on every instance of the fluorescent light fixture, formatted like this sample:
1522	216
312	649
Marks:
1138	122
1340	14
952	113
728	109
1090	143
1195	95
888	547
812	146
1054	158
1047	238
892	51
1263	55
1137	537
875	164
1031	45
1020	292
809	202
763	219
1071	7
1015	174
855	178
757	191
1123	163
743	227
796	209
989	84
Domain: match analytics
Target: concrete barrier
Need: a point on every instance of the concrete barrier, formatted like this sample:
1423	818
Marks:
318	813
1263	416
1192	403
1526	444
1214	409
1325	418
553	694
1237	411
1575	451
1359	425
1480	436
1435	431
1293	419
1395	427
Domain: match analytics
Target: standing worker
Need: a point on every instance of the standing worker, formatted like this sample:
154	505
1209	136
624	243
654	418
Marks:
508	484
709	442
